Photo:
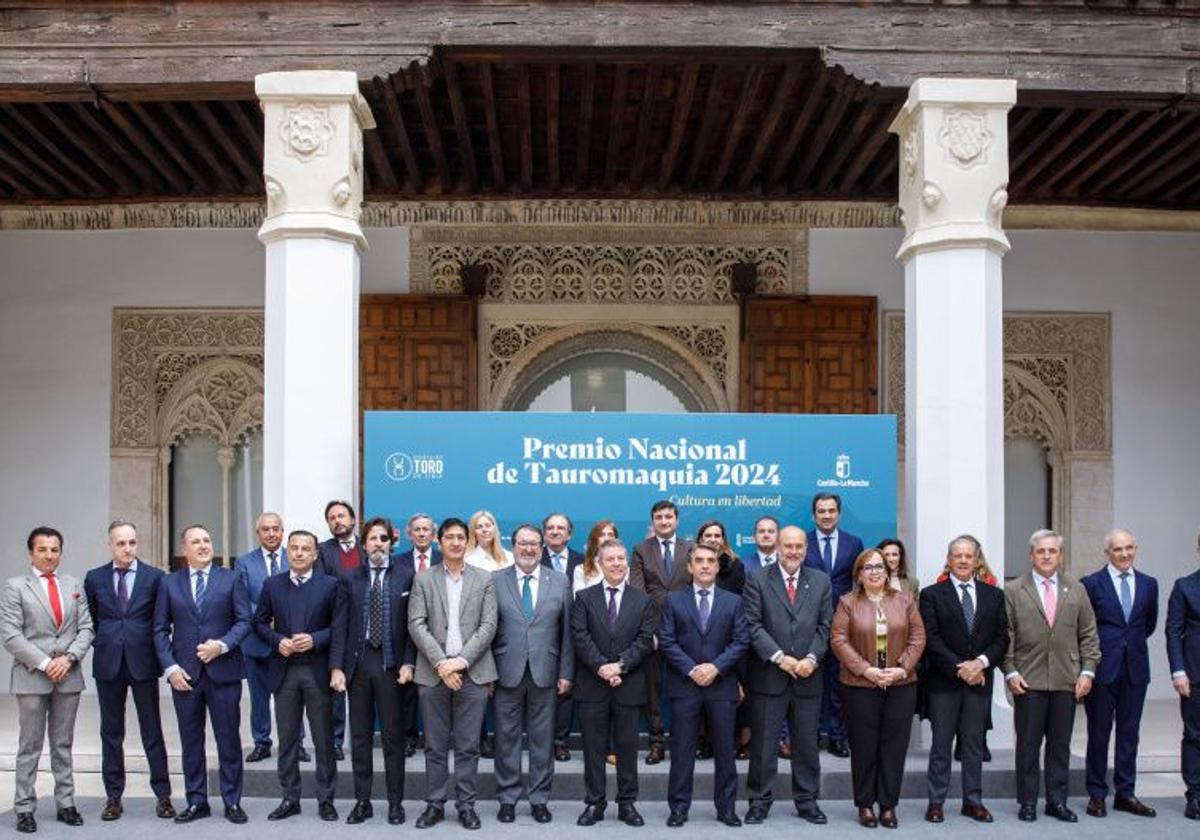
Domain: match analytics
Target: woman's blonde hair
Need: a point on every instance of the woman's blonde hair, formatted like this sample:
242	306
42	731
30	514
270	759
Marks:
495	549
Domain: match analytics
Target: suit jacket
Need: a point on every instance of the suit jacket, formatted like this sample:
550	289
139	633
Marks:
348	646
542	644
574	558
321	614
252	566
329	556
124	636
853	636
777	625
409	558
848	549
1123	643
646	570
629	644
1183	627
949	642
684	645
427	623
179	627
31	634
1050	658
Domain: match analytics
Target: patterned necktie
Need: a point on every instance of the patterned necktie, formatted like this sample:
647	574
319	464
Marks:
560	563
375	609
274	562
200	590
666	556
612	609
55	601
421	562
527	597
1126	595
968	606
827	555
1051	601
704	608
122	590
300	582
791	589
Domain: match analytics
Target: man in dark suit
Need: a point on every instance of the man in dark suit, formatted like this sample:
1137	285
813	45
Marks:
1125	602
374	658
1183	653
612	627
766	545
535	663
703	636
966	631
299	613
788	613
419	556
200	618
558	555
832	551
339	555
659	566
121	597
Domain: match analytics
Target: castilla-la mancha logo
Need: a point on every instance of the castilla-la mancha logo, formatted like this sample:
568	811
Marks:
841	475
842	466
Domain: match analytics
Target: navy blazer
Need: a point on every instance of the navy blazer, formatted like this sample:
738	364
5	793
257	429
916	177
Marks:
348	646
409	558
179	627
684	645
848	549
129	635
1123	643
252	566
322	616
947	640
1183	627
574	558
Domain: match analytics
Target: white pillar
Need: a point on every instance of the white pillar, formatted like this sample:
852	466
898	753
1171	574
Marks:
312	163
953	174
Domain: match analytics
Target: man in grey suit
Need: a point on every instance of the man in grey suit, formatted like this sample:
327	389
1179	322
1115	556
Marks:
47	628
535	660
789	612
452	620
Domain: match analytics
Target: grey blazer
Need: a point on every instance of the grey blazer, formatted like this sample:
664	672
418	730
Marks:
427	623
775	624
543	644
30	635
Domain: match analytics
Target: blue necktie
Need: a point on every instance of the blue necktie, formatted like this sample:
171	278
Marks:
1126	595
122	590
274	563
968	606
827	555
527	598
666	549
612	609
199	597
704	610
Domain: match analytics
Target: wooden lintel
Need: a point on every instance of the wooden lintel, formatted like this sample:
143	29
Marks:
493	125
462	125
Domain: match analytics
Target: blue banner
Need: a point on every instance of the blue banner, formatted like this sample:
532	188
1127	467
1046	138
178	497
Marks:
730	467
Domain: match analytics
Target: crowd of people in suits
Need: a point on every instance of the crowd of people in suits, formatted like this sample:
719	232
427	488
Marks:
810	642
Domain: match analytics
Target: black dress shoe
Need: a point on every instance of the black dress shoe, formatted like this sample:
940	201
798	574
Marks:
676	819
591	815
69	816
431	816
361	812
468	819
287	808
236	815
809	812
730	819
339	754
704	752
887	818
26	824
630	816
327	812
541	814
561	752
957	750
1133	805
258	754
756	815
1191	810
1060	812
395	813
1027	813
823	741
303	754
934	813
164	810
508	813
112	810
410	747
987	754
1096	808
840	748
193	812
487	747
655	754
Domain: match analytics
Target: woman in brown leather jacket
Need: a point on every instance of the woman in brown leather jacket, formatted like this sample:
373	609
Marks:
878	637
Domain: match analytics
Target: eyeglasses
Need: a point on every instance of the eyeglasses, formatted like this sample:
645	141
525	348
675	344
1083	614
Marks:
873	567
527	544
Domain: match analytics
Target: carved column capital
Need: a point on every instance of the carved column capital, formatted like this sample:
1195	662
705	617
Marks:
954	163
313	154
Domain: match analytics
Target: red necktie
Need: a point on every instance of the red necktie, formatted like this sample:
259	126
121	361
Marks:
421	562
55	602
791	590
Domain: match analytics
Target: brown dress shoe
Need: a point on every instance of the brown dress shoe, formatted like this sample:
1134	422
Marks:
1133	805
977	813
656	754
164	809
785	749
934	814
1096	807
112	810
866	818
887	818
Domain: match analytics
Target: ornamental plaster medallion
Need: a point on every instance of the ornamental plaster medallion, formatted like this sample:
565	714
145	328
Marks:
306	131
965	137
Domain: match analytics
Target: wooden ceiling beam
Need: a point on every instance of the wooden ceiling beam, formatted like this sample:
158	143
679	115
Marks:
708	122
381	167
645	120
106	164
493	125
793	72
1176	166
8	174
1100	141
433	133
1134	159
395	120
877	135
583	144
1026	148
145	145
865	116
36	159
1130	182
746	99
200	145
1118	146
1183	185
888	168
525	122
250	130
251	170
65	160
462	125
616	112
825	129
784	156
679	120
142	113
553	103
1064	142
17	163
151	180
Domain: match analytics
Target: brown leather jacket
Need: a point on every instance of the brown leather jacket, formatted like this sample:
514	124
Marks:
852	637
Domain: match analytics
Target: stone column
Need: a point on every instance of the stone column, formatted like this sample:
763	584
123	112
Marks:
312	163
953	174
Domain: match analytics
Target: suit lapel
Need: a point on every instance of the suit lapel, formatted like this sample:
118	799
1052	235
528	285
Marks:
510	583
776	585
694	611
955	606
1031	590
34	582
544	593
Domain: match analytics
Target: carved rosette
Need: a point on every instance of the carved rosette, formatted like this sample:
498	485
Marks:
965	137
306	131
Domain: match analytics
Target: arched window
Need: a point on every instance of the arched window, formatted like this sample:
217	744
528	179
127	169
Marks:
607	381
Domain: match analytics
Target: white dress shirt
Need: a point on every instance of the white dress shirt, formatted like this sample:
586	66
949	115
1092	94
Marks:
533	585
1115	574
129	577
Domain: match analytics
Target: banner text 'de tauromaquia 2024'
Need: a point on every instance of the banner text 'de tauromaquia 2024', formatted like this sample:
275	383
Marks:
591	466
